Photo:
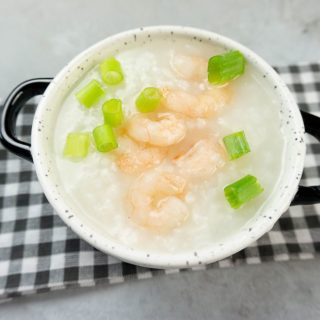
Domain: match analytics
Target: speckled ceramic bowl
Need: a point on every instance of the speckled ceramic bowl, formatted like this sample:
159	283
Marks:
41	149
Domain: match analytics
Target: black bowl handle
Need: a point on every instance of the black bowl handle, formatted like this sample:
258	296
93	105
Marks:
34	87
309	195
13	104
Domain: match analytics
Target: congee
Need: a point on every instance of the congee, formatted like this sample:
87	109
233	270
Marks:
170	146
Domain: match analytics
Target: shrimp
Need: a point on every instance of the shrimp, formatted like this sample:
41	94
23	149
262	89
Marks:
191	68
156	201
202	160
202	105
166	130
135	157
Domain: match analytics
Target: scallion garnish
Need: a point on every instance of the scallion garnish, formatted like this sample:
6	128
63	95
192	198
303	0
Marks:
225	67
149	99
241	191
236	145
90	94
112	112
104	138
77	145
111	71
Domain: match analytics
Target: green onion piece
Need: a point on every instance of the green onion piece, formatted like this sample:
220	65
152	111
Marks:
77	145
111	71
112	112
90	94
236	145
225	67
242	191
148	100
104	138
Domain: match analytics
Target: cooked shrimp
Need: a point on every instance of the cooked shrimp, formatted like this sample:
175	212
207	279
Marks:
202	160
133	157
202	105
156	200
191	68
166	130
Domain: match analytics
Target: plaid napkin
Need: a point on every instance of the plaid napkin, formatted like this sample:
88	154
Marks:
39	253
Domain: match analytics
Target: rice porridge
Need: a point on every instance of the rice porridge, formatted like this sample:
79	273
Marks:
175	152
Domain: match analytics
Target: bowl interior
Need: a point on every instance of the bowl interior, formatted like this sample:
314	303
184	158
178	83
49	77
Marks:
43	153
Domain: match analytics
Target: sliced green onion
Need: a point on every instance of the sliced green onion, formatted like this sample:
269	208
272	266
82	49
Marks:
111	71
112	112
77	145
241	191
90	94
104	138
149	99
236	145
225	67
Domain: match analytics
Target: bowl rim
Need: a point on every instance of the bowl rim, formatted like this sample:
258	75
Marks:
168	260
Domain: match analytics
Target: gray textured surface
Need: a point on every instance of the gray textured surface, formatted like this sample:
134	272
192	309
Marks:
271	291
39	37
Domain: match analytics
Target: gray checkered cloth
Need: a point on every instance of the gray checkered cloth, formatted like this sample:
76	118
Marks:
39	253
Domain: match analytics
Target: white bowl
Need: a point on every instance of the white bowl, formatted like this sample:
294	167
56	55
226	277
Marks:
42	151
